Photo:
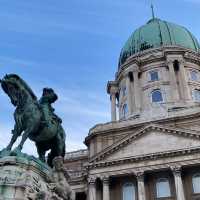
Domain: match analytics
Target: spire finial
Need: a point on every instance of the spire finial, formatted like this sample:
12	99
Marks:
152	9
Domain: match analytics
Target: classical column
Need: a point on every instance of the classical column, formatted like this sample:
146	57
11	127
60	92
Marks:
113	106
173	81
129	94
183	81
92	189
178	183
141	186
106	189
137	89
73	195
112	89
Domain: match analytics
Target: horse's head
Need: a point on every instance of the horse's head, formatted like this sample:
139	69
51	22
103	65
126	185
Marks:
16	89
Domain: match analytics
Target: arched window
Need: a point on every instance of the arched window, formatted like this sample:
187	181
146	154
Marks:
163	188
194	75
156	96
125	110
128	191
196	95
153	76
196	183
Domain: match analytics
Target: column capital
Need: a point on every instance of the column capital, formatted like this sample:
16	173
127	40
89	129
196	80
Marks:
136	69
181	61
169	62
176	169
126	73
112	87
92	180
139	175
133	68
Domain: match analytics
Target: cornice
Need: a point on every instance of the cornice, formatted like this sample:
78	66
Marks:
112	127
195	84
156	55
192	57
153	156
155	84
177	165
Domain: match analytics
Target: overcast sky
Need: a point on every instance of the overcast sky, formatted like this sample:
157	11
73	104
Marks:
73	47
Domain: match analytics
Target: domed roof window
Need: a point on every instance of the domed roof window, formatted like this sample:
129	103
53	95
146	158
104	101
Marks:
153	76
157	33
156	96
196	95
194	75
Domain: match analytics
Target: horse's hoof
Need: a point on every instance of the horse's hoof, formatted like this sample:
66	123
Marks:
16	151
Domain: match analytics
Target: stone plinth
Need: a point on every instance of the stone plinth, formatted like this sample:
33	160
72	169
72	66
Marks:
22	176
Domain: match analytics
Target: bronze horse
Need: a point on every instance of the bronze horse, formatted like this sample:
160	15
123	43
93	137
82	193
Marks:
29	117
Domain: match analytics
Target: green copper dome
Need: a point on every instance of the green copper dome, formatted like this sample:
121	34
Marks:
157	33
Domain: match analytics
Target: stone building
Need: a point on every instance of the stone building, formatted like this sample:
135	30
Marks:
151	148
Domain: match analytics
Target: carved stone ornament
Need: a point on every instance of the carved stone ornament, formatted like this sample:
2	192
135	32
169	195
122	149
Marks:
59	188
140	175
176	169
92	180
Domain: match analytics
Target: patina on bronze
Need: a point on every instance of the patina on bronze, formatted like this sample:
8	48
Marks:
34	119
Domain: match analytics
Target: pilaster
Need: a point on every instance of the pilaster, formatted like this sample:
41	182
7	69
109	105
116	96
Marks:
183	82
137	89
173	81
112	89
129	94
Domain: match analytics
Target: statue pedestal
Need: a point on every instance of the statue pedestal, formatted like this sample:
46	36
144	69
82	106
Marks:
21	177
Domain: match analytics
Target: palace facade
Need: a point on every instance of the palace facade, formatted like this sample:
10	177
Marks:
151	148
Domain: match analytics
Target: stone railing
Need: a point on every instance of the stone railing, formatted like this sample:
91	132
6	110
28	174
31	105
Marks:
76	154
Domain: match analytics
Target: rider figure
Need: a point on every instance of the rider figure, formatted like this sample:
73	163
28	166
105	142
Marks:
48	97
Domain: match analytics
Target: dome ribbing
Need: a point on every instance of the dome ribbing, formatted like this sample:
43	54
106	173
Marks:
157	33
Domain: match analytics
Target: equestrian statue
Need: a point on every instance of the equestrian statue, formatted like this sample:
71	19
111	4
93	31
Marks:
34	119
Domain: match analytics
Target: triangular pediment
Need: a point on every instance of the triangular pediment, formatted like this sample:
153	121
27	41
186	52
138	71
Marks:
151	139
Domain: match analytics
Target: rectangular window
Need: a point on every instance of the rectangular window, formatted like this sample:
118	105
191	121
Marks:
196	95
153	76
194	75
163	188
196	183
128	192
